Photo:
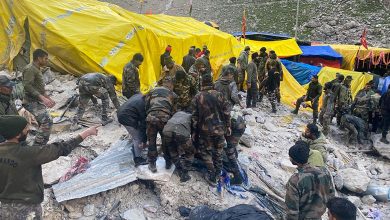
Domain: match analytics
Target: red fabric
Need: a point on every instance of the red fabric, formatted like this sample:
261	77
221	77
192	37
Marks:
199	54
244	24
316	61
363	39
81	166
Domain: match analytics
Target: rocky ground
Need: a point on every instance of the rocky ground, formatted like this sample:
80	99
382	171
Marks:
268	136
333	21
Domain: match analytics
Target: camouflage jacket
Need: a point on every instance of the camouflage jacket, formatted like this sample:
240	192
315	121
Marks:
252	72
363	101
185	89
229	91
161	99
345	96
188	61
33	83
328	103
210	113
261	66
7	106
319	144
308	191
180	124
273	64
169	72
314	91
130	79
243	60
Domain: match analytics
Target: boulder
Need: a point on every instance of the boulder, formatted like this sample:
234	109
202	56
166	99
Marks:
89	210
287	166
354	180
250	120
133	214
355	200
270	127
338	182
54	170
368	200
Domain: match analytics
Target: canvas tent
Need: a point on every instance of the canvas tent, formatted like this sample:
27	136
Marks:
320	56
283	48
302	72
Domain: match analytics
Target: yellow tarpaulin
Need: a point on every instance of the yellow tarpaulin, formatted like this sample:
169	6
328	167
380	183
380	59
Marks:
283	48
290	89
349	53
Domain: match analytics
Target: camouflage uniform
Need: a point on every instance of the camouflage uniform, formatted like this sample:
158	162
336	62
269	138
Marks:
274	63
261	73
313	95
238	129
99	85
327	111
235	72
196	75
169	72
344	101
251	98
130	80
357	129
20	211
242	66
177	140
271	86
160	106
210	119
185	89
7	105
229	91
308	191
363	104
188	61
34	86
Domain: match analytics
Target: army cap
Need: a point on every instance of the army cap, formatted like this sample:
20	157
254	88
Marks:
348	78
168	60
247	48
12	125
263	49
6	82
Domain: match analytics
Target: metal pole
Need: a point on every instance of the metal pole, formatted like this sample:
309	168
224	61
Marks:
296	20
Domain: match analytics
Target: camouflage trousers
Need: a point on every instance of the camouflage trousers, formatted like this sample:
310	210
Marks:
314	106
231	147
210	150
20	211
155	123
89	93
340	110
251	97
361	113
180	149
272	99
352	131
325	121
44	120
241	78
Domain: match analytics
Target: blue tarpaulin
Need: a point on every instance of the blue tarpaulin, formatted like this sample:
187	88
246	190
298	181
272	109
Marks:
320	51
302	72
384	85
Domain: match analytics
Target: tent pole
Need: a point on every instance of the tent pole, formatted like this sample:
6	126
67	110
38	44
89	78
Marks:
296	21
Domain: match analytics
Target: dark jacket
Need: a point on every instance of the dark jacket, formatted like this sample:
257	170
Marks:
272	81
20	169
133	113
314	91
229	90
163	57
384	103
180	124
188	61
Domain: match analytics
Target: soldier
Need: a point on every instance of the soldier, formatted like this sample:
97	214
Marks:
132	114
21	184
327	108
189	59
251	82
242	65
341	209
270	84
165	55
228	88
261	73
35	98
177	140
313	95
344	99
232	63
130	76
197	70
169	69
185	88
273	62
385	110
309	189
211	121
7	106
357	129
363	103
316	140
98	85
160	106
206	60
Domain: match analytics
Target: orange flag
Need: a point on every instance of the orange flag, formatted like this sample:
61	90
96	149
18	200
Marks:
363	39
244	25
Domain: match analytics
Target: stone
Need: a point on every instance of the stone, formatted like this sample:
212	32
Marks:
133	214
54	170
332	23
270	127
247	111
312	24
355	200
250	120
260	120
368	200
246	140
287	166
338	182
150	208
354	180
61	127
135	188
89	210
75	215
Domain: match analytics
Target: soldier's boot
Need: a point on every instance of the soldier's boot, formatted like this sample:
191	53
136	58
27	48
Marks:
314	120
237	180
184	176
75	126
168	164
211	179
273	107
139	161
384	140
106	120
152	166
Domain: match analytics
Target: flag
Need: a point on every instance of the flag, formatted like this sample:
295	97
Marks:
190	8
363	39
244	24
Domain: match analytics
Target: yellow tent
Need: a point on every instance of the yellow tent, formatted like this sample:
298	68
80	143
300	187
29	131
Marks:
283	48
349	53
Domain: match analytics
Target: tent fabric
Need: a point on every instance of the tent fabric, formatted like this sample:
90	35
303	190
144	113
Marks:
283	48
320	51
317	61
384	85
290	89
349	53
302	72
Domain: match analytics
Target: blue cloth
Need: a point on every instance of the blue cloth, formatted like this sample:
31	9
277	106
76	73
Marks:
325	52
385	86
302	72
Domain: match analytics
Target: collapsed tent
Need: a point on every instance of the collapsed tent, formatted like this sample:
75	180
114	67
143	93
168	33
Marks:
320	56
283	48
302	72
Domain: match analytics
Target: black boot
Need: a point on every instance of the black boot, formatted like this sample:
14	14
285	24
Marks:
139	161
152	167
237	180
168	164
106	120
211	179
184	176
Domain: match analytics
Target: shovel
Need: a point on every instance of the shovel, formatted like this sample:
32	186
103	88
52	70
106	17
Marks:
61	118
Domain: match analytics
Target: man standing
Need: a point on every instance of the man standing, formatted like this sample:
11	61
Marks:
189	59
273	62
177	140
130	77
7	106
35	98
160	106
232	63
242	65
309	189
21	182
98	85
169	69
271	85
327	108
211	122
185	88
165	55
251	82
363	103
263	57
132	114
344	100
197	70
313	95
206	60
227	86
385	110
